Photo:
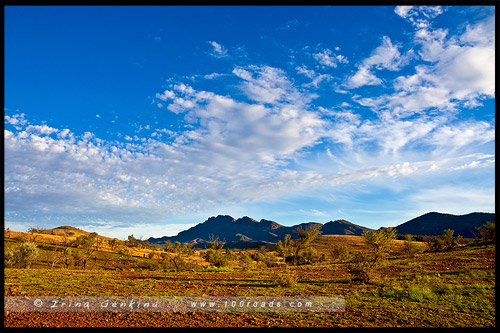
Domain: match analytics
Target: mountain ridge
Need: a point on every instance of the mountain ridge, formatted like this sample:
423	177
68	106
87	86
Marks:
246	230
434	223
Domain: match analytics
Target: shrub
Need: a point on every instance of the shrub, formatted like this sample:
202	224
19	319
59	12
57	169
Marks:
309	256
380	243
360	268
21	255
9	259
487	232
258	256
420	293
445	242
394	292
409	247
216	257
246	260
340	252
270	260
297	251
37	230
286	279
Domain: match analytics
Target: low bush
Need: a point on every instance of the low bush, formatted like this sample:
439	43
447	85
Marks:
286	279
445	242
340	252
360	268
21	255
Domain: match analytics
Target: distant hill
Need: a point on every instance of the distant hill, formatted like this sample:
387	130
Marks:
433	224
247	232
343	227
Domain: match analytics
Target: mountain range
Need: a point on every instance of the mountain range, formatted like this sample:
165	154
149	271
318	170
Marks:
247	232
434	224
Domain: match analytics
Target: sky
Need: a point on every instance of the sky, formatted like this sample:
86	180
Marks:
149	120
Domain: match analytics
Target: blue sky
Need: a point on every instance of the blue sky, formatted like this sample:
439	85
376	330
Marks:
148	120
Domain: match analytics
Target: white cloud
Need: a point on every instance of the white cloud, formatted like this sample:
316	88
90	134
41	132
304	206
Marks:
329	59
17	120
362	77
403	11
218	50
313	213
213	76
43	129
234	154
385	56
459	71
419	16
315	77
254	131
264	84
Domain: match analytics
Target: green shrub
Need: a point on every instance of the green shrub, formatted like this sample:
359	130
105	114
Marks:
216	257
245	260
445	242
21	255
340	252
270	260
420	293
360	268
9	259
487	232
395	292
258	256
380	243
286	279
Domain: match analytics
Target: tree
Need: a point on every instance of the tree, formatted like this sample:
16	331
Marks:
380	243
167	246
445	242
65	254
178	251
487	232
131	241
215	253
298	251
215	243
360	267
306	236
87	243
362	263
113	243
21	255
285	248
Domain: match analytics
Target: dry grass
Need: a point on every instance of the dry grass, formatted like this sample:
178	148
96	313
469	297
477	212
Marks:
322	243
